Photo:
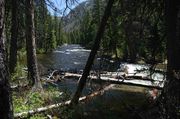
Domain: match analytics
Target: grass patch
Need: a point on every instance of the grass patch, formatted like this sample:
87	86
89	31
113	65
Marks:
26	100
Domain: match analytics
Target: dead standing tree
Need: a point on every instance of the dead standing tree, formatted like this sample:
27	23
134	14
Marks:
93	53
6	110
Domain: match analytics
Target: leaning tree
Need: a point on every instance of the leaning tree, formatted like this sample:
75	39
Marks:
93	53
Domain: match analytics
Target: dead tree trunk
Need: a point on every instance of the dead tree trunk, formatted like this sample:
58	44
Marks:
93	52
31	45
14	36
6	111
171	91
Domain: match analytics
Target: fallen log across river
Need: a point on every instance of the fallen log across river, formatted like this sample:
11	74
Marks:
150	83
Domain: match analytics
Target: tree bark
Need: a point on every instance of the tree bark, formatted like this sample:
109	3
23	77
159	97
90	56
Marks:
93	52
6	110
14	36
172	87
31	46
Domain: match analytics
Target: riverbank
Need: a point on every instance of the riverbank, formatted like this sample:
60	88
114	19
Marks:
121	101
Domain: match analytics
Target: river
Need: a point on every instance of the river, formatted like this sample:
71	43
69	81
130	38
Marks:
66	57
72	58
113	104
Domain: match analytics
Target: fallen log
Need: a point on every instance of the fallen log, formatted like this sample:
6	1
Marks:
18	87
120	80
42	109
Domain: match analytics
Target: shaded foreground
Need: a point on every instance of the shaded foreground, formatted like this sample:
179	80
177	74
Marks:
126	102
119	102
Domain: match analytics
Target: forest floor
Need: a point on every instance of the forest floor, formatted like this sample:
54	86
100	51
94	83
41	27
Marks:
121	101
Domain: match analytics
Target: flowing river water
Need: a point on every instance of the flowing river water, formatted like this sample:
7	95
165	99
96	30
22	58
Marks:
66	57
120	102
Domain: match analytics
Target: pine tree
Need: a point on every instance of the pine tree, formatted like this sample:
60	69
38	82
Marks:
31	46
14	37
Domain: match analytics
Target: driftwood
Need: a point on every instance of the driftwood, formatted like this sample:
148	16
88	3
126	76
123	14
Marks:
120	80
42	109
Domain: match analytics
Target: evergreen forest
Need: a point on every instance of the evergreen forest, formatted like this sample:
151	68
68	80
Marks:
89	59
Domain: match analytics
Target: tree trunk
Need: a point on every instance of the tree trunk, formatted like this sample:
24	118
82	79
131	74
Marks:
31	46
6	111
130	42
172	87
93	52
14	36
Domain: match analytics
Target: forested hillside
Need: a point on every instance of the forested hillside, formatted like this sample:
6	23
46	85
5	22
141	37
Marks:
134	31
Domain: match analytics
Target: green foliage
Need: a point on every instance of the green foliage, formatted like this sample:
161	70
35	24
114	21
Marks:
34	100
18	72
98	11
38	116
54	42
133	31
21	63
18	104
40	51
27	100
24	100
41	23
